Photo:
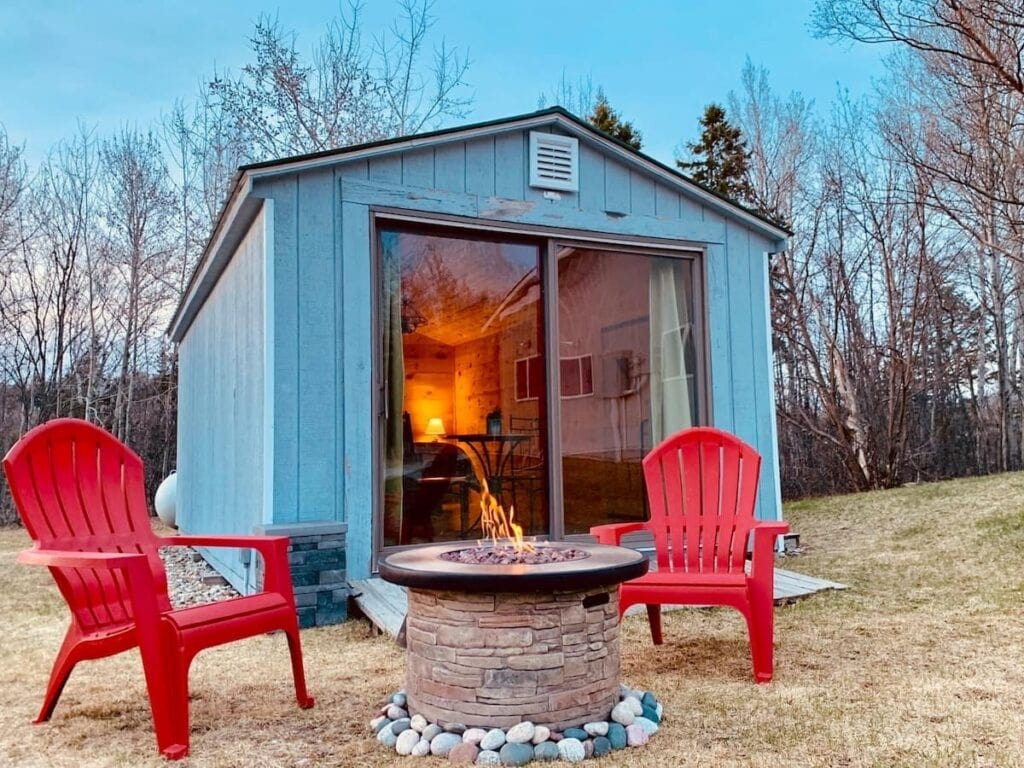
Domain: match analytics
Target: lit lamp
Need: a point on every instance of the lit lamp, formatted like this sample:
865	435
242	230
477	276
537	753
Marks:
435	427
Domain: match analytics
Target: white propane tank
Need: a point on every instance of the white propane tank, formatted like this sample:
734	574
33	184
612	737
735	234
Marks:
166	498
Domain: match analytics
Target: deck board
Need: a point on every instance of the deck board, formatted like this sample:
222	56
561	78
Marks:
385	604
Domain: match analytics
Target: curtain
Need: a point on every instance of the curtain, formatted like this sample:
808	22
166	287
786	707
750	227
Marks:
394	384
670	334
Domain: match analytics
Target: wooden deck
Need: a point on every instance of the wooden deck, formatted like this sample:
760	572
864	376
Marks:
385	604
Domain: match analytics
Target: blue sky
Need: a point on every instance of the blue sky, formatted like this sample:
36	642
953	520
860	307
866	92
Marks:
108	62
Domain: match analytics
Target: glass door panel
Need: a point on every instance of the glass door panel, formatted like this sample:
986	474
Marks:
628	375
464	385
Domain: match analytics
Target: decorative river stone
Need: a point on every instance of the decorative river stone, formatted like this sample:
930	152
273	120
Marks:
522	742
571	750
406	741
516	753
442	744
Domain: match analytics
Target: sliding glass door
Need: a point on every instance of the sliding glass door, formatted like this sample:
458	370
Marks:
464	401
629	364
469	380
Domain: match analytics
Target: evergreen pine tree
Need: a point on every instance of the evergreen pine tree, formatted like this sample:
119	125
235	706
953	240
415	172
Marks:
720	157
606	119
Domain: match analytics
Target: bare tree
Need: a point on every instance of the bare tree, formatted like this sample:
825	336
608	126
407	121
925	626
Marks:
780	140
349	92
138	207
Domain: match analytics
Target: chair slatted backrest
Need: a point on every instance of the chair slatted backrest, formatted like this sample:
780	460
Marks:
702	488
77	488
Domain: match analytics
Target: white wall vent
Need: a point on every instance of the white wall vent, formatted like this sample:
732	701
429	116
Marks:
554	162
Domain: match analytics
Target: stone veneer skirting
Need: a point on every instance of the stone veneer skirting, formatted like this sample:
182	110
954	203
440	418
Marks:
316	555
496	659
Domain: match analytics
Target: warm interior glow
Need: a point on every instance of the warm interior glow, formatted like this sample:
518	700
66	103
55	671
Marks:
498	526
435	426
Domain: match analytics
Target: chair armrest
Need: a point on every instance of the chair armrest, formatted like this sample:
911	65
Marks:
762	563
274	549
612	534
267	546
58	558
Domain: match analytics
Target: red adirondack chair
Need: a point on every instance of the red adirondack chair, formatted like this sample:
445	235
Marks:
702	485
80	494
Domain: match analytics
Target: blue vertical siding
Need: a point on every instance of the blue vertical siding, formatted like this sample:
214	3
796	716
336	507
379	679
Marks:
221	389
285	327
317	384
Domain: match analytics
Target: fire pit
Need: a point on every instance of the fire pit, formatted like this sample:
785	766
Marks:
491	644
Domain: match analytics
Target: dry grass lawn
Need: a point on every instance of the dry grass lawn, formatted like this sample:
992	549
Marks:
920	663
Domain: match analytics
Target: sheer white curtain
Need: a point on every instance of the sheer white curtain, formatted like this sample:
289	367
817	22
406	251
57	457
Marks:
671	327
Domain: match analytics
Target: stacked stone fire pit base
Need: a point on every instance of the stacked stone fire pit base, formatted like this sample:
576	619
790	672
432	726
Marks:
630	723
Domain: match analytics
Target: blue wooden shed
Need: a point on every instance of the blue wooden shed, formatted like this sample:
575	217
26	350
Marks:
377	333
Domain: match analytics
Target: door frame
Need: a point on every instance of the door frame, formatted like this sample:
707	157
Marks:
548	240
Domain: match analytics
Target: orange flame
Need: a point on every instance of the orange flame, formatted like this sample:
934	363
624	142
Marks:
497	525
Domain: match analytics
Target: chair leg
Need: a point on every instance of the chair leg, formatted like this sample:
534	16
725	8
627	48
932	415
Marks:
167	684
66	660
654	619
298	673
760	626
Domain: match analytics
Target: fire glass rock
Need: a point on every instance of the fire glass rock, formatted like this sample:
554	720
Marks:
507	555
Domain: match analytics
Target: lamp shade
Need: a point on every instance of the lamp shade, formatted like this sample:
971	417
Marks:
435	426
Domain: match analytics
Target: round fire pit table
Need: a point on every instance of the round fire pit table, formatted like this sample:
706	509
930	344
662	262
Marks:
494	645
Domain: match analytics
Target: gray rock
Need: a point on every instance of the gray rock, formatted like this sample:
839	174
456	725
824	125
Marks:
660	710
464	753
623	713
379	722
399	699
571	750
648	725
387	737
442	744
599	728
588	749
602	746
458	728
545	752
540	734
474	735
396	712
488	757
400	725
515	754
575	733
520	733
406	741
418	723
493	741
636	736
634	705
617	735
431	731
422	748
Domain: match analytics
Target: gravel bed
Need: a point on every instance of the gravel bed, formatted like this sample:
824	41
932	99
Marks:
186	571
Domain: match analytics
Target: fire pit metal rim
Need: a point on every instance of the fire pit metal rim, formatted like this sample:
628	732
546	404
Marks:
422	568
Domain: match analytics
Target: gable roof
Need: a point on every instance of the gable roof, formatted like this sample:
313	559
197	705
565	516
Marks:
422	139
556	115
